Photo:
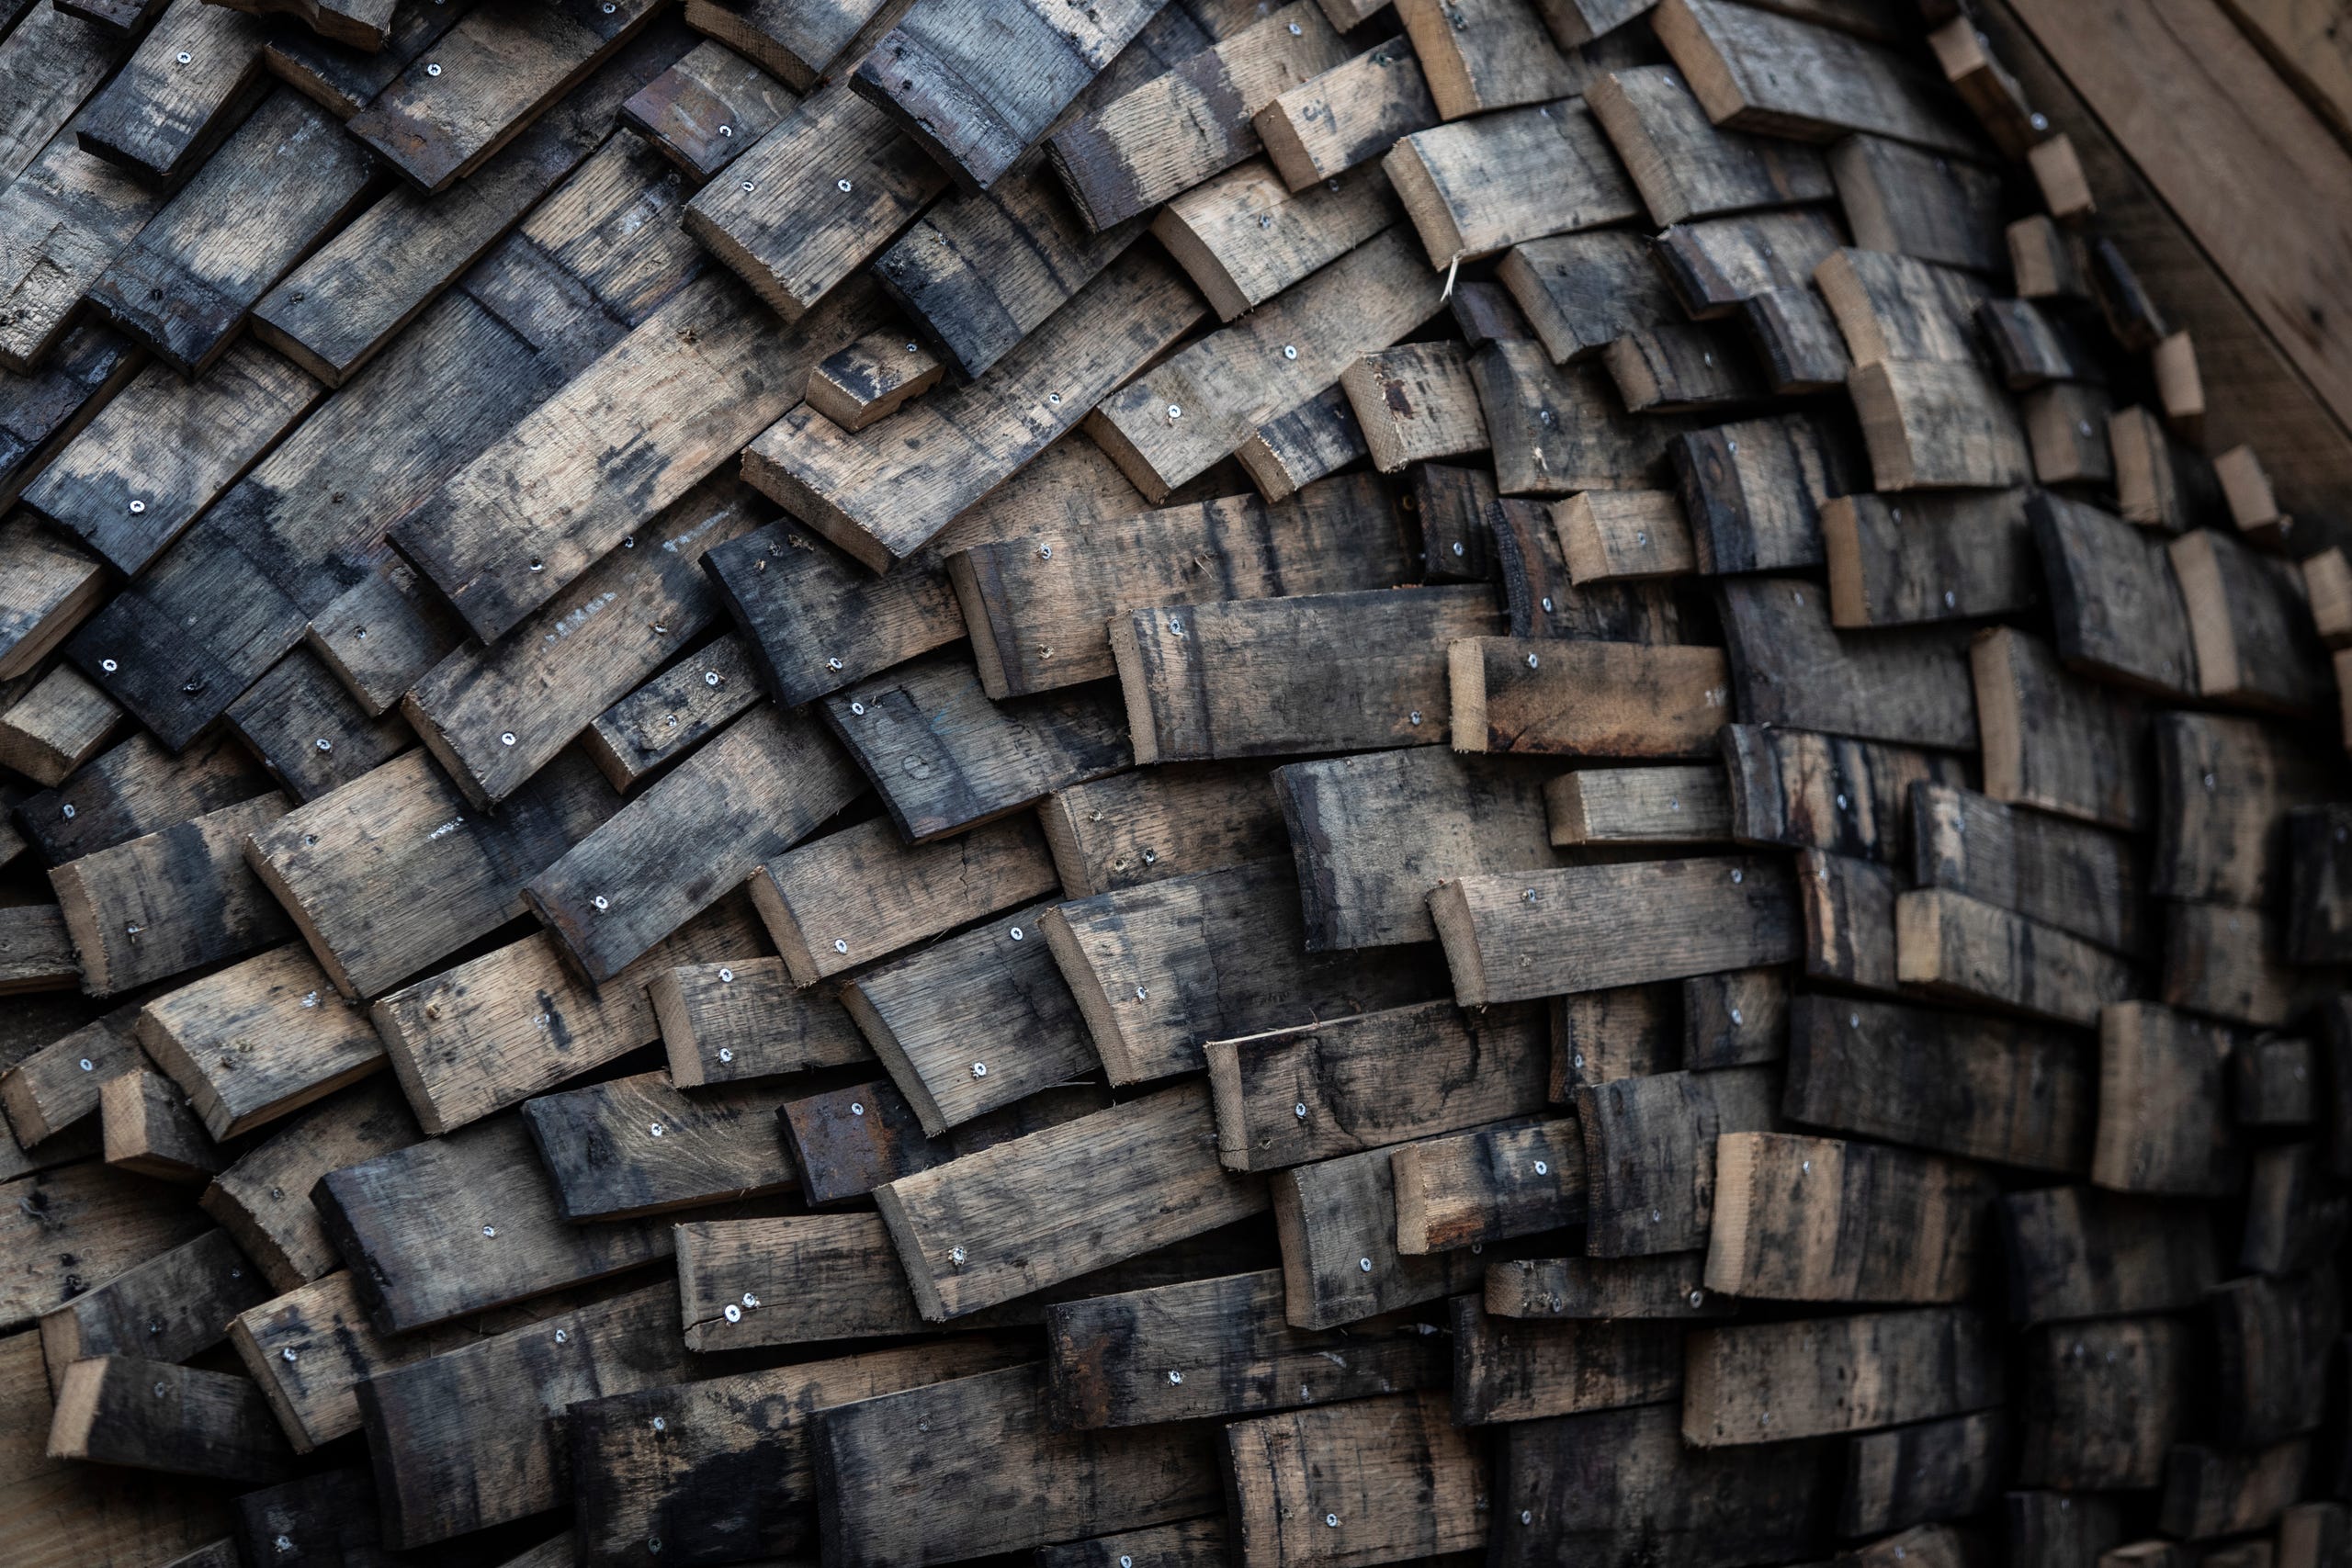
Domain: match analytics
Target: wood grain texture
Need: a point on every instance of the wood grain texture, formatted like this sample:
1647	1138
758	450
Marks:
1150	825
1249	678
1162	968
497	1030
1394	1469
995	1226
1476	186
1957	946
259	1040
1538	696
1790	668
1489	1184
1589	928
498	69
2015	1094
882	493
202	1423
263	1197
1685	167
405	823
929	1474
1650	1160
1108	1357
768	782
157	906
1820	1219
1757	1384
1757	70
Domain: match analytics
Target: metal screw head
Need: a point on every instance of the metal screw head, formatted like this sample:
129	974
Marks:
159	1391
1738	875
1734	1015
1457	547
137	507
833	664
1841	803
2209	781
955	1255
1174	1376
1579	1059
1296	29
659	1425
656	1129
1175	410
1640	536
726	130
727	977
734	1313
561	1337
840	945
1951	599
324	744
1853	1021
86	1063
980	1069
1364	1264
601	902
844	186
857	708
1805	1167
1055	399
69	811
184	57
433	69
1265	220
1698	1298
288	1353
857	1107
1413	718
1126	1562
1656	1216
1533	662
2039	121
1333	1519
748	188
489	1230
1141	993
537	565
1548	605
727	1052
711	677
1299	1110
1015	933
282	1544
109	666
1290	351
1045	552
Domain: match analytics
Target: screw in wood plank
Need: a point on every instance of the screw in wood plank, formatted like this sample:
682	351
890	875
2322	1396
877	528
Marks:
433	70
1016	933
1290	351
1579	1059
1364	1264
1126	1562
1738	875
560	1336
1527	1516
1734	1015
727	1052
857	1107
489	1230
750	1300
1055	399
1841	803
1806	1169
840	945
1533	662
659	1425
282	1544
734	1313
1045	552
980	1069
955	1255
69	811
1543	1169
726	130
844	186
1656	1216
1140	993
601	903
748	188
1333	1519
1413	718
537	565
1175	410
857	707
1951	599
184	57
324	744
288	1353
109	665
159	1391
137	507
1174	1376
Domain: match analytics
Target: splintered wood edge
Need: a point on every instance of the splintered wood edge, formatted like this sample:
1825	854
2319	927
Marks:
1841	539
408	1068
895	1219
1226	1105
1449	909
1056	813
1565	812
894	1059
267	874
77	1408
981	631
1918	937
2196	568
1278	134
784	929
1728	1240
1135	688
1417	187
1093	1004
676	1023
253	1238
1465	669
1209	275
262	1368
81	913
2001	732
1409	1179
